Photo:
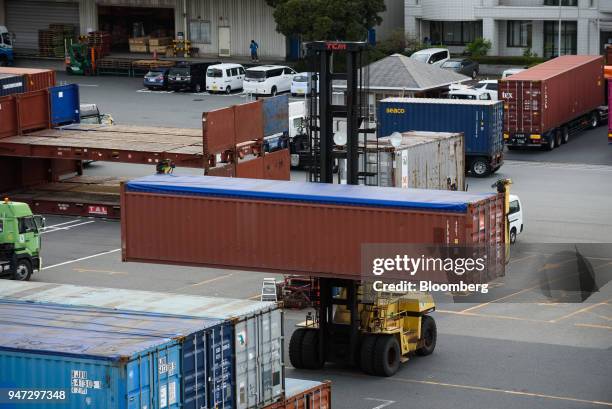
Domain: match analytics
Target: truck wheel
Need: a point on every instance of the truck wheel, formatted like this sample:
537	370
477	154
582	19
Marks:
366	358
594	120
480	167
295	348
23	270
310	350
558	138
551	143
513	236
429	335
3	62
474	74
386	355
565	135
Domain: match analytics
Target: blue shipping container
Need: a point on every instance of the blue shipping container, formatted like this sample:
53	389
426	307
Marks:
481	122
11	84
276	115
65	104
105	358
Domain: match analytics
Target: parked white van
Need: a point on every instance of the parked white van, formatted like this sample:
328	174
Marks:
433	56
224	77
268	79
515	218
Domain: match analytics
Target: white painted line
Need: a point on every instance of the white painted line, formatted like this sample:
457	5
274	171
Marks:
88	85
384	403
61	224
81	259
67	227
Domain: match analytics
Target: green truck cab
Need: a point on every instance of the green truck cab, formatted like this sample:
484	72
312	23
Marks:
20	240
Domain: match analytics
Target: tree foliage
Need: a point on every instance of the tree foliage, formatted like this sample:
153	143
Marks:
347	20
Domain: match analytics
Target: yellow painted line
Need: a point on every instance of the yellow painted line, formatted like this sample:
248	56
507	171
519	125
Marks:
585	309
502	317
594	326
502	391
205	282
86	270
516	260
254	297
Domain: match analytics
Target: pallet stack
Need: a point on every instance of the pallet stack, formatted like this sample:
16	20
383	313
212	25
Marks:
51	41
159	45
100	41
139	44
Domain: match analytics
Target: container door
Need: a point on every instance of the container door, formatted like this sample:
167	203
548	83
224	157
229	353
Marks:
224	42
139	382
195	371
166	391
221	349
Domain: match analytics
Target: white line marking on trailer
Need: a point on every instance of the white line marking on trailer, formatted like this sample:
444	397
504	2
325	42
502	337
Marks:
67	227
81	259
384	404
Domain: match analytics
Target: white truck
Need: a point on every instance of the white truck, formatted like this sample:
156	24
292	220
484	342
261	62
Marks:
515	218
6	47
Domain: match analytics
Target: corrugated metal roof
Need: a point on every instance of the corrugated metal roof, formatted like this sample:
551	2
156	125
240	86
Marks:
259	189
403	73
441	101
88	331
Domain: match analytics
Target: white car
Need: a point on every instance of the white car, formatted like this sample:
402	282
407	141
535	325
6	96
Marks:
301	84
490	86
224	78
268	79
515	218
434	56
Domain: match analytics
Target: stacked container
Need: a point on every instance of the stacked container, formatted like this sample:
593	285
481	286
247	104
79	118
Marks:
11	84
36	79
252	337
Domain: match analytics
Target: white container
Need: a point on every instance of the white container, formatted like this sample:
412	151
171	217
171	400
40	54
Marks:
258	329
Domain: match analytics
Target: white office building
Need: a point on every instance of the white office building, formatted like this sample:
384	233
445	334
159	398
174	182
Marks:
513	25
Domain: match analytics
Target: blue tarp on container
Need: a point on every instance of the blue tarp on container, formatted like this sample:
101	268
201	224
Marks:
276	115
259	189
113	358
480	121
65	104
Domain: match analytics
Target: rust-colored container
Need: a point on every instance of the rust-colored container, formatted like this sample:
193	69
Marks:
302	394
250	168
277	165
8	117
551	94
249	121
36	79
219	131
33	111
291	227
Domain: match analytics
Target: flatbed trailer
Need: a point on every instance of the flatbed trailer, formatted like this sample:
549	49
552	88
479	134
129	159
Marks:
144	145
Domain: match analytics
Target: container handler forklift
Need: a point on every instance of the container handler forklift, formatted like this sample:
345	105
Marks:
80	59
373	332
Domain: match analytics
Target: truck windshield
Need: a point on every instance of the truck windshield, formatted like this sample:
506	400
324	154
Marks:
6	38
214	73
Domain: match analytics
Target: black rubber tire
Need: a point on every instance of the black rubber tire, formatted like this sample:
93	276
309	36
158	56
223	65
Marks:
23	270
228	90
513	236
551	143
310	350
594	120
512	148
480	167
558	138
197	88
295	348
429	333
564	135
366	354
3	62
273	91
387	355
474	74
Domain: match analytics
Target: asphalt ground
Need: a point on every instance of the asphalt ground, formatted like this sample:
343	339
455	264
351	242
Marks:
515	349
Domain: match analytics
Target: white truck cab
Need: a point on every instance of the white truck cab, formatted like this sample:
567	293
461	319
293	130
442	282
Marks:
6	47
515	218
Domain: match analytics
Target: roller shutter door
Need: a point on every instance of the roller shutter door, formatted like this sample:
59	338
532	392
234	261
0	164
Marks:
25	18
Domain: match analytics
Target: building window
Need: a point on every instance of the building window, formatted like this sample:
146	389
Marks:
569	38
573	3
519	34
454	32
199	31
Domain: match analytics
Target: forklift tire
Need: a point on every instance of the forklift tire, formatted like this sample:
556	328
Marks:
295	348
310	350
387	355
366	358
429	333
23	270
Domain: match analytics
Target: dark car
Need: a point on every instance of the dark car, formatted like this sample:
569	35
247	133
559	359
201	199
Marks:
156	78
188	76
463	66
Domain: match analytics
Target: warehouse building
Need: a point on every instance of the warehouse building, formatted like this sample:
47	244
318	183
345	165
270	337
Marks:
215	27
513	25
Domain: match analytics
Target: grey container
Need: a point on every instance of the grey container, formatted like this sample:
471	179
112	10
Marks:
11	84
258	327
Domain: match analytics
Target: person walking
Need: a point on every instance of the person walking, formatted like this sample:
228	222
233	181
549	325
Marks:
254	46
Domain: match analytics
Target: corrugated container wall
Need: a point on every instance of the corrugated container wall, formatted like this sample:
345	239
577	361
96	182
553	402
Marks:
257	330
303	394
254	222
36	79
91	358
552	93
11	84
481	122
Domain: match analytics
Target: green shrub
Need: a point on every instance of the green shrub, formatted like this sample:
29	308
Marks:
478	47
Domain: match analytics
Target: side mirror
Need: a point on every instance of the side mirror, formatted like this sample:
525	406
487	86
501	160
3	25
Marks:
40	222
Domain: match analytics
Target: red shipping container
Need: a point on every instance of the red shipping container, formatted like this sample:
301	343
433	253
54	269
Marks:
218	130
277	165
36	79
301	394
8	117
291	227
551	94
250	168
33	111
249	121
